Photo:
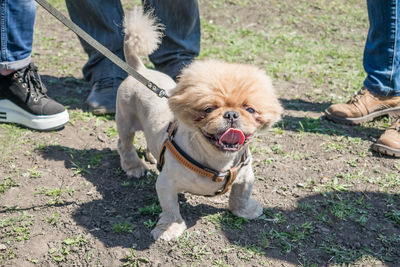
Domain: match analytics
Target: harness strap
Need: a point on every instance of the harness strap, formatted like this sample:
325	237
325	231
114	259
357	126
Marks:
195	166
233	172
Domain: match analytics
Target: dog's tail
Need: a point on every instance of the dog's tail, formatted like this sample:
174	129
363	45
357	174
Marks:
142	35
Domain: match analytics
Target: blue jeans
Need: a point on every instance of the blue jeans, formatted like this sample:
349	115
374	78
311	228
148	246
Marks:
103	20
382	49
17	18
181	42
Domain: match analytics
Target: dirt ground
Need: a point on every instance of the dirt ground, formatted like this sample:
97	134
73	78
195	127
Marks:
328	198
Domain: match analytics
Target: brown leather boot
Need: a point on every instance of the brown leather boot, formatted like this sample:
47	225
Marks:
364	106
389	142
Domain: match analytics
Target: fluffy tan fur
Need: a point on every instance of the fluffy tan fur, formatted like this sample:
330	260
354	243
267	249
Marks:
142	35
207	91
224	87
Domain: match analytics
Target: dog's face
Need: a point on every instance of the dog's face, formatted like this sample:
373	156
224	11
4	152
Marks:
226	104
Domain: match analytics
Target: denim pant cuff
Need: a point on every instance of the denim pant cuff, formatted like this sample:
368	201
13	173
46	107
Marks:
15	65
379	89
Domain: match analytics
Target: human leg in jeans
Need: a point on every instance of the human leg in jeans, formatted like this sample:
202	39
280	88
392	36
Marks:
381	92
23	98
102	19
181	41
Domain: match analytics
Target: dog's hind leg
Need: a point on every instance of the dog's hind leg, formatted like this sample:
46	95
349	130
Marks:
131	163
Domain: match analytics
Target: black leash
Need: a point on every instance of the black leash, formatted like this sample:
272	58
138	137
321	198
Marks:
101	48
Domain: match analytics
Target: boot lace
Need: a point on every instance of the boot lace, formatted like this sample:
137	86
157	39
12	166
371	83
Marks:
30	80
357	95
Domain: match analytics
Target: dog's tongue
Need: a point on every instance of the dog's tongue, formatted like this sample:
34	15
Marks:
232	137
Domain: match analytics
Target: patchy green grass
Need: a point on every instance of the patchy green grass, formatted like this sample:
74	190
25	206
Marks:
6	184
132	260
152	209
12	139
122	227
393	216
226	219
291	53
53	219
68	247
16	228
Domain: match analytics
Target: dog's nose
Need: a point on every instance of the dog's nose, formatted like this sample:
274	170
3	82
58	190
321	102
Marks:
231	115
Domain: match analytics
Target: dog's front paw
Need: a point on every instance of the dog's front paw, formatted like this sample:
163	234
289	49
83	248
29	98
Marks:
136	172
173	231
252	210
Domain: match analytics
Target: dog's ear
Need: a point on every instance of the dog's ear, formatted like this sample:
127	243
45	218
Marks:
188	92
181	102
270	116
261	94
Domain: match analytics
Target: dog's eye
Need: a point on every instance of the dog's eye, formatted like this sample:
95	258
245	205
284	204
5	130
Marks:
250	110
209	110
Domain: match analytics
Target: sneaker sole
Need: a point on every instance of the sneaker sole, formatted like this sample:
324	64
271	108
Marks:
386	150
393	112
11	113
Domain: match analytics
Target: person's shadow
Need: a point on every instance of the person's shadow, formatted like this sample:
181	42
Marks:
324	228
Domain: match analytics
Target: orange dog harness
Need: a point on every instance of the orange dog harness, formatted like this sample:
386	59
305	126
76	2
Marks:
187	161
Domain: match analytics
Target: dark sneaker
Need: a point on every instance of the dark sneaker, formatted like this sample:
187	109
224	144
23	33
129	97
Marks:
103	95
364	107
23	101
389	142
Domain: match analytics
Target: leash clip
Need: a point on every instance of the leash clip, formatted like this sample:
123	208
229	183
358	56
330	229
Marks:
160	92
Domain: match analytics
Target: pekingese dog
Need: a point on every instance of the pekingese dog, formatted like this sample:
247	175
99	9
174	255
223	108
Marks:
217	108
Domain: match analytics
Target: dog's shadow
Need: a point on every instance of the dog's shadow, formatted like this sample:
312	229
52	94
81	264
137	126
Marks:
127	209
324	228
